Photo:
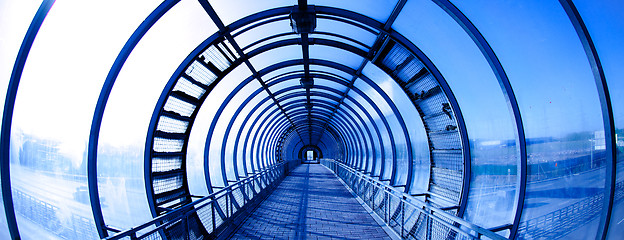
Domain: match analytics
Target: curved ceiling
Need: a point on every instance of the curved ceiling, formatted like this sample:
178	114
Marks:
472	107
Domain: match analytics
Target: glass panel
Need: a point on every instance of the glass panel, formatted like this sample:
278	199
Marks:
345	76
385	138
263	31
268	128
377	9
397	132
257	127
484	108
336	55
364	123
270	76
333	101
323	91
237	126
131	106
345	29
272	125
15	17
246	134
276	55
331	84
414	125
54	107
285	84
230	11
560	110
347	138
291	100
197	138
357	131
221	141
607	39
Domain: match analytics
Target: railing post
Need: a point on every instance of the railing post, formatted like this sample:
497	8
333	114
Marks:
428	233
402	205
387	212
186	226
227	205
212	207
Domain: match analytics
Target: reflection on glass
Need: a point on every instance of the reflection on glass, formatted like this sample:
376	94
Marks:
15	17
416	130
607	39
561	115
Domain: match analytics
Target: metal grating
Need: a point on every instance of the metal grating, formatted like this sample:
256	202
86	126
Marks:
446	178
448	159
170	125
168	145
164	164
191	89
167	183
199	73
440	122
179	106
435	104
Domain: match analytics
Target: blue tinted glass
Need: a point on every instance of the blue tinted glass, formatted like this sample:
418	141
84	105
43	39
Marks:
230	11
375	157
130	106
251	167
350	143
336	55
607	39
199	132
486	115
280	73
345	29
377	9
397	132
354	135
52	119
266	30
414	125
331	84
268	58
285	84
388	152
367	151
15	17
220	140
237	127
252	145
334	72
564	132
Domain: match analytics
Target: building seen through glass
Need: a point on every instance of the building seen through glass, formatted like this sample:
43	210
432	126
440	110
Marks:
312	119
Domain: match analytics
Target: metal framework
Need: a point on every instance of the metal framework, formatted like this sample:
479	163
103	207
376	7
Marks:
304	117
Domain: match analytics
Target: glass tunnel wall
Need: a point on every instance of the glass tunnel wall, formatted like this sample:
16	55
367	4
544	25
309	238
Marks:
542	99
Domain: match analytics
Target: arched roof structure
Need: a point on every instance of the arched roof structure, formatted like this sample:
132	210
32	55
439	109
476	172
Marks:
504	114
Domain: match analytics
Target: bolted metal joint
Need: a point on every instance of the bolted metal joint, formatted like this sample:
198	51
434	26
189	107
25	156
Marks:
303	21
307	83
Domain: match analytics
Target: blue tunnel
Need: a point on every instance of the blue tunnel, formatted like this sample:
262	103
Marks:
446	119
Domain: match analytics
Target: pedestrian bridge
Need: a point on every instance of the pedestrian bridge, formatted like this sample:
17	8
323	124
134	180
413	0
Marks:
312	119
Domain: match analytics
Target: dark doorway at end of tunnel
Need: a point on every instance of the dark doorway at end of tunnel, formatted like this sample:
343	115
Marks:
310	154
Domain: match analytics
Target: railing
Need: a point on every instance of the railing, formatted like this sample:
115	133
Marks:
202	217
409	217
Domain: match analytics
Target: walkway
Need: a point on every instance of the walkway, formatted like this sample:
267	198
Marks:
310	204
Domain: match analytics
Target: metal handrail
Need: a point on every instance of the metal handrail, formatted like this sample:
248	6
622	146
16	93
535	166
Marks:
464	227
160	222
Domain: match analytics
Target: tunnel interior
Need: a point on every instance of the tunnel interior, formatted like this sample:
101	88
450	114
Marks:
507	115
